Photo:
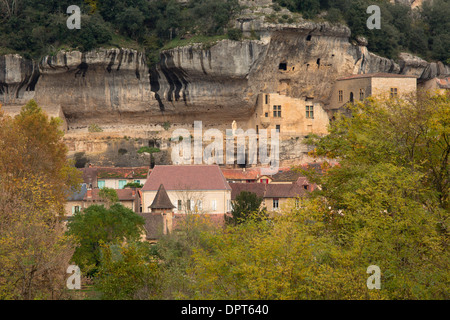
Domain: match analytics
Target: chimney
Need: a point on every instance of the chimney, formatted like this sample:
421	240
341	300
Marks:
133	192
89	193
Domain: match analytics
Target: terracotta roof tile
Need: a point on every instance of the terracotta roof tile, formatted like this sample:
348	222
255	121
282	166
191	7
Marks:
288	190
123	194
123	173
186	177
237	188
161	200
153	225
239	174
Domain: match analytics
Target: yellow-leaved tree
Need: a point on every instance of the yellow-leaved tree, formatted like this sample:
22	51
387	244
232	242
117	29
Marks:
35	176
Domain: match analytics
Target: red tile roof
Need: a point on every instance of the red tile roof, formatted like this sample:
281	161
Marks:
186	177
284	191
123	173
123	194
162	200
288	190
239	174
376	75
258	188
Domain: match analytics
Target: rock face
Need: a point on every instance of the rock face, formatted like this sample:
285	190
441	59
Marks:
220	83
217	84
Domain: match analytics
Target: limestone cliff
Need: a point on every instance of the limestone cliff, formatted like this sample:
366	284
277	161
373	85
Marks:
115	88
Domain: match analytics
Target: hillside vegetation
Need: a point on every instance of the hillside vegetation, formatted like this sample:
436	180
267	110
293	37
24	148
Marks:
35	28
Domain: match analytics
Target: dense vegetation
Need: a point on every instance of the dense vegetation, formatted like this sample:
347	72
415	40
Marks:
35	27
424	31
386	204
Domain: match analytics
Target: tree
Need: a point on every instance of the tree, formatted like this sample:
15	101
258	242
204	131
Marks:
34	175
244	206
36	134
109	196
128	271
97	225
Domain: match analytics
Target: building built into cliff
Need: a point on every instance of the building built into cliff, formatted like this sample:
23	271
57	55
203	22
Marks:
360	86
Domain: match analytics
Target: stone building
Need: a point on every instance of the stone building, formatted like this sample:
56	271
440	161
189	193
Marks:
193	189
290	116
358	87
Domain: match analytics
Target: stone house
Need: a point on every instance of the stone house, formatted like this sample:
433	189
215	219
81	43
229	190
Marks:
289	116
158	222
78	201
117	178
191	188
358	87
275	196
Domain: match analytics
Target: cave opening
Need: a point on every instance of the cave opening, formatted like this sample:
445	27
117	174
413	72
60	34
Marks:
282	66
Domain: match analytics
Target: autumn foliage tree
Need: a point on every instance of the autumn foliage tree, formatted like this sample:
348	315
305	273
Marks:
34	177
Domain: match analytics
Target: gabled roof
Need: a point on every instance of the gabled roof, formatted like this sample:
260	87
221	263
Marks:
162	200
376	75
123	194
153	226
123	173
237	188
284	191
288	190
239	174
186	177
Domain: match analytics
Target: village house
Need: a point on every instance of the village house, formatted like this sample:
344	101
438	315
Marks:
76	202
360	86
244	175
191	188
159	221
289	116
117	178
274	195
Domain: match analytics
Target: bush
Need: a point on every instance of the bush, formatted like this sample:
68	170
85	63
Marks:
234	34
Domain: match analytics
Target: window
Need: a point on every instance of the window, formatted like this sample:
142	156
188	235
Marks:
266	114
101	184
266	181
361	94
75	209
229	205
277	111
137	181
341	95
275	204
199	205
188	205
180	205
278	128
122	183
257	129
394	92
309	112
213	205
351	96
267	99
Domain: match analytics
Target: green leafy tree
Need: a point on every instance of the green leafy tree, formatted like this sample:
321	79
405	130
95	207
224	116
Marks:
128	272
97	225
245	205
109	196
